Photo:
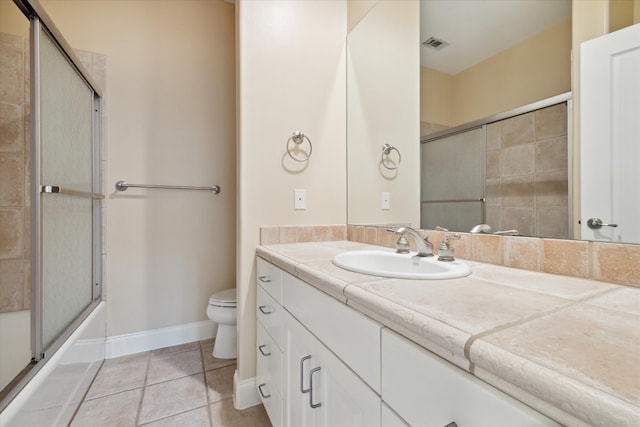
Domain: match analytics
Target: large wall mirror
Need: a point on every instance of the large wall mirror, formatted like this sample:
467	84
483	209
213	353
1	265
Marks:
480	63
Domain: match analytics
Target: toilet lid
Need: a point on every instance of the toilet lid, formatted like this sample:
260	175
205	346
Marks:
226	298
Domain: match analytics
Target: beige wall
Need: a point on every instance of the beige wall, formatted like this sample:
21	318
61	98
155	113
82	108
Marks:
356	10
291	76
170	99
534	69
383	108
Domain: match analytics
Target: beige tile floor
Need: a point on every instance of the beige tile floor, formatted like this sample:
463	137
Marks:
175	386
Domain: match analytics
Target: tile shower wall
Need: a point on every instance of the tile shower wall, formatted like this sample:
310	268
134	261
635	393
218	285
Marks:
15	161
526	173
15	167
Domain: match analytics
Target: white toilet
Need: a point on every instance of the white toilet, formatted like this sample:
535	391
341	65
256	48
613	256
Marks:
222	310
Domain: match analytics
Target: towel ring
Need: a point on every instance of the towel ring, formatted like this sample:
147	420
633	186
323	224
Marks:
386	150
298	138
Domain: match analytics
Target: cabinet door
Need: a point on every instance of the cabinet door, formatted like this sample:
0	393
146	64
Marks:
346	400
301	357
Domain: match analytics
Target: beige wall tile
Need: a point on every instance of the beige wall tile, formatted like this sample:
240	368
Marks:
462	247
518	160
11	233
27	181
320	233
551	189
493	217
522	252
616	263
519	218
517	191
386	238
486	248
269	235
371	235
11	128
493	164
26	303
288	234
552	221
551	155
494	136
551	121
337	232
493	192
27	128
11	286
11	180
304	234
361	234
12	62
518	130
351	232
565	257
26	237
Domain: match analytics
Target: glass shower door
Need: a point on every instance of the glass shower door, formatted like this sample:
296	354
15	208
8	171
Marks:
68	204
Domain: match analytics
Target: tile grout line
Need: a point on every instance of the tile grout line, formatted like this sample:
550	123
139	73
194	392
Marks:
144	387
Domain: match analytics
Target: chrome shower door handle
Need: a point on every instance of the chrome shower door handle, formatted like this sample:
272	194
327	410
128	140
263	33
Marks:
596	223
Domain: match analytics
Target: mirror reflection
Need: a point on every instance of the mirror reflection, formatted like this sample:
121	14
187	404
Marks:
468	71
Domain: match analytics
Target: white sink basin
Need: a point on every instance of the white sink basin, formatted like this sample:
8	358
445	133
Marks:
402	266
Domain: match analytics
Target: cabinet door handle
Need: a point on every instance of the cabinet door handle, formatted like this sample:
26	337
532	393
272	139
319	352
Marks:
313	405
302	389
261	348
452	424
264	279
265	396
265	309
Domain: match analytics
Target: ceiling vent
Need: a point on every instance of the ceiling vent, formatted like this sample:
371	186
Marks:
435	43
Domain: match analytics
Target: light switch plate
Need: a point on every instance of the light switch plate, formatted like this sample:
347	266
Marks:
299	199
386	201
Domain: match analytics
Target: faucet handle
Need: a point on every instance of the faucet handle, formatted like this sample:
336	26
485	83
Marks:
451	236
445	251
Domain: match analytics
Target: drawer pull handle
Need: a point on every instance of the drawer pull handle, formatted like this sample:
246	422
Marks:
302	389
261	348
265	396
313	405
265	309
264	279
452	424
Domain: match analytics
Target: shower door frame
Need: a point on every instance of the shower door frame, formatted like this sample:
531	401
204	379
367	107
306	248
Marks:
41	22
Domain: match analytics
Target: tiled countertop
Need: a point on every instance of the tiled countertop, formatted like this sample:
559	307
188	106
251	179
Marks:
568	347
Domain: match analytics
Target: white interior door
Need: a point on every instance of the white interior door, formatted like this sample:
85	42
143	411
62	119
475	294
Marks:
610	136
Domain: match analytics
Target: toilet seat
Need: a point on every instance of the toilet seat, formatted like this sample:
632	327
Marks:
226	298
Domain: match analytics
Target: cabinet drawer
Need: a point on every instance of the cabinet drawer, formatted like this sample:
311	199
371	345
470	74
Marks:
426	390
350	335
269	314
270	278
269	375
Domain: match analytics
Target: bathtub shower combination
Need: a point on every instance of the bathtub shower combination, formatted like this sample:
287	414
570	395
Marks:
52	337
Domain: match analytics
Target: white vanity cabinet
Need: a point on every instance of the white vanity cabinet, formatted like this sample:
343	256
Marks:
329	365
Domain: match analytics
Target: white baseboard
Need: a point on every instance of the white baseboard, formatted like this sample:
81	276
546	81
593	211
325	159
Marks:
137	342
245	394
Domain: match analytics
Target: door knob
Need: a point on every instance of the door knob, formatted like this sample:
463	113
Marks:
596	223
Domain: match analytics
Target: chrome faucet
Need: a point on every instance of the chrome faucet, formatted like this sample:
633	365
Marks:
424	246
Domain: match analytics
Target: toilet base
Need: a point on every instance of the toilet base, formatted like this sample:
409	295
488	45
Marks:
226	343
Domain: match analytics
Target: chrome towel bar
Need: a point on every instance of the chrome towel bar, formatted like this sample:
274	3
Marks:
123	185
